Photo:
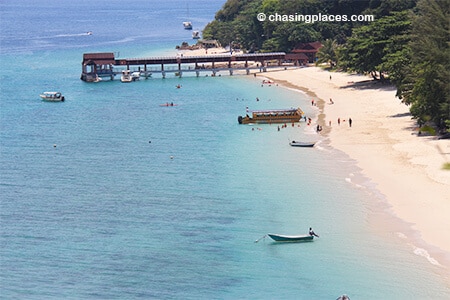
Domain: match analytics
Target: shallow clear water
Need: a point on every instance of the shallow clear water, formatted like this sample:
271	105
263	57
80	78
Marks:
142	201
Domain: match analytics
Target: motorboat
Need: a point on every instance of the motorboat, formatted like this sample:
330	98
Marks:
126	76
195	34
187	25
135	76
52	96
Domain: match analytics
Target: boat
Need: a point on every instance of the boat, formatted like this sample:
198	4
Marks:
302	144
126	76
52	96
187	25
291	238
168	104
195	34
272	116
97	78
135	76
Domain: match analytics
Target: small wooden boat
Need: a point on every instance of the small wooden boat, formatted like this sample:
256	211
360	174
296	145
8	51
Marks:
301	144
291	238
168	104
52	96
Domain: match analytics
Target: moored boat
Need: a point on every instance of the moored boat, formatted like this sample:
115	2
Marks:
291	238
301	144
135	76
187	25
195	34
126	76
52	96
272	116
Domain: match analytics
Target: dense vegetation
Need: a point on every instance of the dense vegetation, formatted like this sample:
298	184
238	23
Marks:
407	44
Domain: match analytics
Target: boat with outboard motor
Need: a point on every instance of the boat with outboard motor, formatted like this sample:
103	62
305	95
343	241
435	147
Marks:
52	96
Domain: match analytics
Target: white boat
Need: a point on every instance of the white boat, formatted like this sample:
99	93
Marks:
195	34
97	79
187	25
135	76
52	96
126	76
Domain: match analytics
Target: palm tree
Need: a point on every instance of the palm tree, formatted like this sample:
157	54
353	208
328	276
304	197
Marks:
327	53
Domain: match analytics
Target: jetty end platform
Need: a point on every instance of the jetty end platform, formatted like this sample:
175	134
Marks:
101	65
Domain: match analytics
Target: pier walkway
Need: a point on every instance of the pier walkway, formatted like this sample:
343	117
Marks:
97	65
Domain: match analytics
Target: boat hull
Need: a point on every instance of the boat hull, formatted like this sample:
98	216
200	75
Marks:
301	144
52	97
291	238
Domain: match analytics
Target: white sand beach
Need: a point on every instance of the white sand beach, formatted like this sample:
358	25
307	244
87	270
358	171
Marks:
406	168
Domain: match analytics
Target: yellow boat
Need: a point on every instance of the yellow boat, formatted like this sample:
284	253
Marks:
272	116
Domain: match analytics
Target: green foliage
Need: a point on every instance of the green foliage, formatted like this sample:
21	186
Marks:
328	53
428	90
377	47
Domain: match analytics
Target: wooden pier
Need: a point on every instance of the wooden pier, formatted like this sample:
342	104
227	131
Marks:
100	65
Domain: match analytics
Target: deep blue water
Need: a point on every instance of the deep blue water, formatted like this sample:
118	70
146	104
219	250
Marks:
110	196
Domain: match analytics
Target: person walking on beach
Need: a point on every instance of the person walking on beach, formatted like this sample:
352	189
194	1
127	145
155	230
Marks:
350	122
312	233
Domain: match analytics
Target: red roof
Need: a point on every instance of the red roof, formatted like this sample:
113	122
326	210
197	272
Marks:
307	47
98	58
297	56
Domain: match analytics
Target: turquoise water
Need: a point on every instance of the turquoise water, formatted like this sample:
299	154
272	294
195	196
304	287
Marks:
110	196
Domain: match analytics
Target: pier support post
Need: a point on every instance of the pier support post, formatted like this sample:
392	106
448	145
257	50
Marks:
163	73
247	71
231	72
197	73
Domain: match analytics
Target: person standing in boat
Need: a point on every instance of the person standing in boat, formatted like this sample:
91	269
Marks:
312	233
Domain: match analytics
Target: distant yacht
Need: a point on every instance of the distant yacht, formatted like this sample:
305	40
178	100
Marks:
187	25
195	34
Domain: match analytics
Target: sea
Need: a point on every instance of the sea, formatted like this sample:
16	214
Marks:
109	195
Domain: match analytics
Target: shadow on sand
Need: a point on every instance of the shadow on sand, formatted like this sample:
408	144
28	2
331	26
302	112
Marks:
369	84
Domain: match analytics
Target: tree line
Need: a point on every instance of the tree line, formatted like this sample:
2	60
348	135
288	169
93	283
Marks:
407	44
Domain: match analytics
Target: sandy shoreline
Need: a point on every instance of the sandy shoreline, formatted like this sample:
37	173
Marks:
383	140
